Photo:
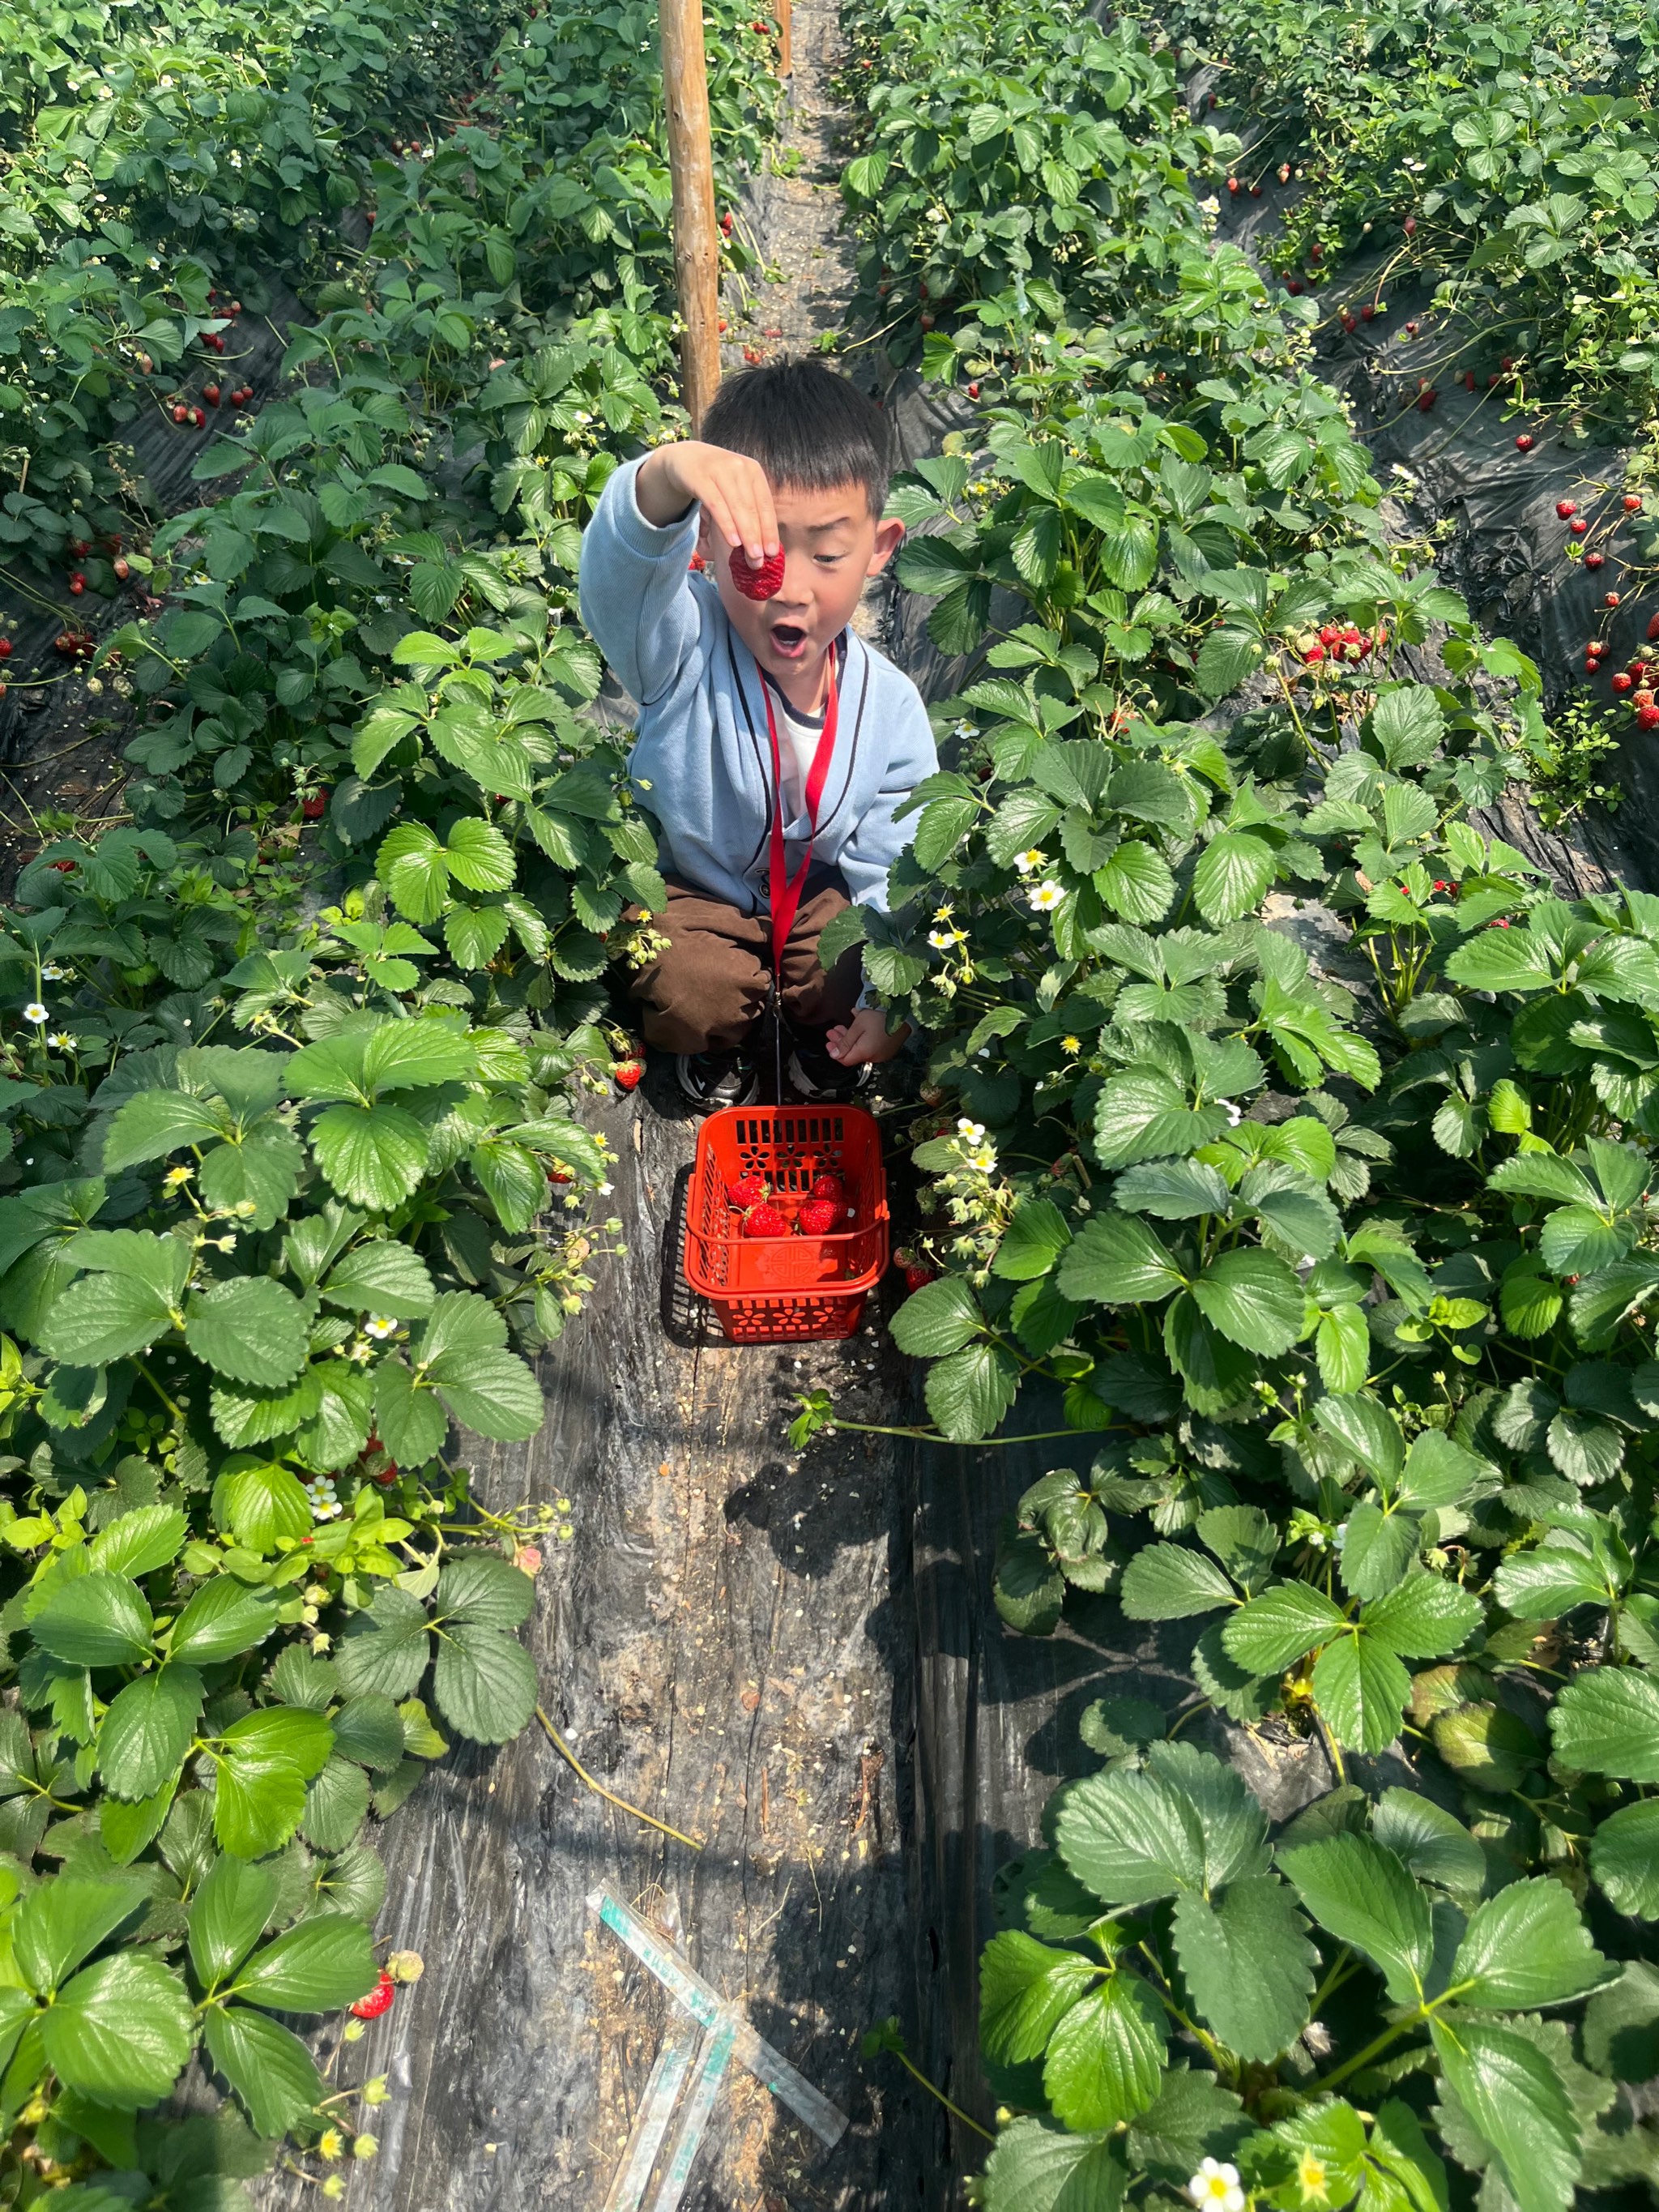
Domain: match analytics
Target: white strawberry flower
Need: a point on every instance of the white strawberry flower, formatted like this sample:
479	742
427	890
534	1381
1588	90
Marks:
52	973
973	1131
325	1499
941	939
1215	2186
34	1012
984	1159
61	1041
1026	862
1044	898
379	1326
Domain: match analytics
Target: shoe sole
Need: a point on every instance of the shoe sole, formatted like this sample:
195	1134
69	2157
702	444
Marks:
815	1095
747	1094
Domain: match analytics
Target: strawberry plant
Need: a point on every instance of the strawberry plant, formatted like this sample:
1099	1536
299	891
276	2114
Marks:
1289	1133
285	1200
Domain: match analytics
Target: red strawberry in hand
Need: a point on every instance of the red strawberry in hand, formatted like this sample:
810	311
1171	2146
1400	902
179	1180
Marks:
378	1999
764	1221
761	583
748	1190
828	1186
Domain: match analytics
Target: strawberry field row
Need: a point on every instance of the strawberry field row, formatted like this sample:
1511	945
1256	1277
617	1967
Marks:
277	1172
1295	1136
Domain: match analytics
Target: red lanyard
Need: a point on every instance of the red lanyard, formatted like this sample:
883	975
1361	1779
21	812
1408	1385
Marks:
786	895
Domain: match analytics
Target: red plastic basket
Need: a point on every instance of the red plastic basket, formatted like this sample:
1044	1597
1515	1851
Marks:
786	1289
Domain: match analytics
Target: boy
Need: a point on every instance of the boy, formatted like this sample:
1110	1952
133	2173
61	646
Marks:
774	745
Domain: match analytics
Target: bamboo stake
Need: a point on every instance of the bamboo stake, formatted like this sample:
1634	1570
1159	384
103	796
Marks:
785	37
691	168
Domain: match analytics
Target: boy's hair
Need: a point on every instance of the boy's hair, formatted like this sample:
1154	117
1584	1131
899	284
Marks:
810	429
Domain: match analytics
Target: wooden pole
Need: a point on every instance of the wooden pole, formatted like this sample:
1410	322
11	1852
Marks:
785	37
697	236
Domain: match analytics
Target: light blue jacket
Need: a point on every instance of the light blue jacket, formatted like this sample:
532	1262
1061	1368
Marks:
702	762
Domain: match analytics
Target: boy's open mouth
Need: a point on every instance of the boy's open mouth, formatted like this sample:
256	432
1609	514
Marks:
789	639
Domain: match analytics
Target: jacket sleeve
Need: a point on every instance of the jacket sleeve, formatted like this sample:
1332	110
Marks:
878	840
633	590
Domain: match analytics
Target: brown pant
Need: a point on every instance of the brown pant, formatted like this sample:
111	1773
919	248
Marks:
708	990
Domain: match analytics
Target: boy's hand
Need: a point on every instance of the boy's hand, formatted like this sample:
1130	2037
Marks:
731	490
866	1041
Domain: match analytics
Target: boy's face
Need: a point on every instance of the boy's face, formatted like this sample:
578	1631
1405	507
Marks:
832	545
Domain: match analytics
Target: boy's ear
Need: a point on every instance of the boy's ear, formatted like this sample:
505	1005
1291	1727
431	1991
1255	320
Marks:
890	535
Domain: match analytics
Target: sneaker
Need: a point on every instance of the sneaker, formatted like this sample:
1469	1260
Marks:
710	1080
821	1081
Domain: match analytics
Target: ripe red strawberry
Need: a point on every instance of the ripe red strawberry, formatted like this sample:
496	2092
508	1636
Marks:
1411	224
764	1221
77	584
1313	653
1623	680
761	583
1255	191
1643	697
748	1190
315	801
1578	525
1632	502
973	392
1647	718
1348	323
697	563
1330	635
182	413
916	1277
1564	507
826	1185
560	1174
1524	444
1412	330
1610	598
1425	400
819	1216
197	418
210	394
1653	630
1293	284
626	1074
1367	312
1594	559
5	648
378	1999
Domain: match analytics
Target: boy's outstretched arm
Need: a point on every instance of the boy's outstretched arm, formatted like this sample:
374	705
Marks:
634	593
